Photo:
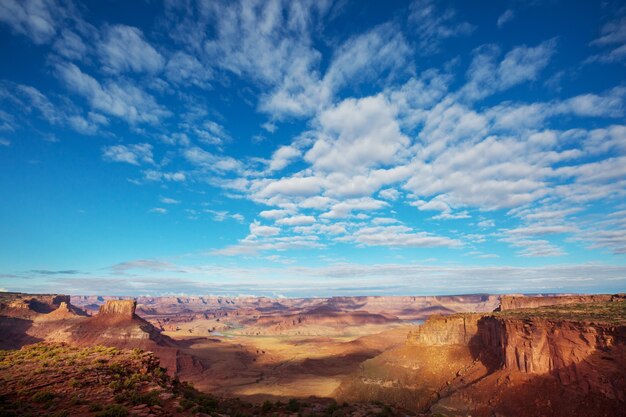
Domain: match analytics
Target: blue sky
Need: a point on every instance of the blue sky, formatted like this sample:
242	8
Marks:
312	148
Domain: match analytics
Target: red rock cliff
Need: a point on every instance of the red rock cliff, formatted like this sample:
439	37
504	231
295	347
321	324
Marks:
118	310
439	330
579	354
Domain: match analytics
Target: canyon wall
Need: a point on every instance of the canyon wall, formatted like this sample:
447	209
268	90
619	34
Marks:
39	303
514	302
579	354
439	330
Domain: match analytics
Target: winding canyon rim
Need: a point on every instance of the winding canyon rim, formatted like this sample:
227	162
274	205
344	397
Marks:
473	355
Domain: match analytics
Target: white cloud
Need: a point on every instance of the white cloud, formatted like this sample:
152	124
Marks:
540	229
434	204
167	200
37	19
5	142
486	223
389	194
366	56
291	186
70	45
399	236
222	215
384	220
317	203
136	154
614	39
120	100
123	48
211	162
346	207
282	157
356	135
296	220
184	69
274	214
534	248
158	210
433	25
505	17
259	230
519	65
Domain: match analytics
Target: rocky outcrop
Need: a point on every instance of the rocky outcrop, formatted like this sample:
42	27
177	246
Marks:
65	311
19	303
578	354
515	302
438	330
118	310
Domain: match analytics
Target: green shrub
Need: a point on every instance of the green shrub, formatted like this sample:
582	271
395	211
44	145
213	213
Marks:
42	397
113	410
267	406
95	407
293	405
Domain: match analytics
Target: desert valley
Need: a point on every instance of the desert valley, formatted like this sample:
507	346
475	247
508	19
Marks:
471	355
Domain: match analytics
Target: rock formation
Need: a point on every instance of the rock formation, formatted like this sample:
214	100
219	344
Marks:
64	312
515	302
438	330
563	349
532	362
118	310
19	304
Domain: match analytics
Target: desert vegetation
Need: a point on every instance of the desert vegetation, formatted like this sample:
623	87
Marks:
56	379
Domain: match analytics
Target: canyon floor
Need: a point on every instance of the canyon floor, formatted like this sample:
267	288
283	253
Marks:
450	356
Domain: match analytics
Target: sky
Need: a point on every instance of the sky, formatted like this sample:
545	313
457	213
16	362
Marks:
312	148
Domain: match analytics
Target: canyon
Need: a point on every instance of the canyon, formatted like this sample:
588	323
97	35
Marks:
479	355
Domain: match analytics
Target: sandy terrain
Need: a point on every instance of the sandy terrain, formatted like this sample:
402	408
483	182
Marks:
282	366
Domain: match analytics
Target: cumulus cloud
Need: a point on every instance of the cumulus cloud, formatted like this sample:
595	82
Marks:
357	135
296	220
283	157
346	207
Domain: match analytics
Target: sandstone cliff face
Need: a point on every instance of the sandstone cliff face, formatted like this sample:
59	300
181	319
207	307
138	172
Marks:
578	354
118	309
514	302
18	304
438	330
